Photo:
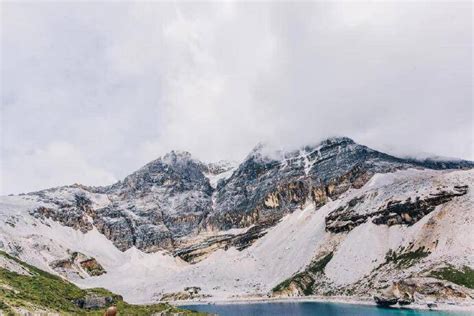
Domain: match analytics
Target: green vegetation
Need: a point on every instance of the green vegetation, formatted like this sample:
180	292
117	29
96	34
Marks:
305	280
285	284
46	292
463	276
319	265
406	259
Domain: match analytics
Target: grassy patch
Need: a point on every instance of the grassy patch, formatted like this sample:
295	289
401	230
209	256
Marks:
305	280
463	276
319	265
406	259
283	285
5	308
45	291
302	280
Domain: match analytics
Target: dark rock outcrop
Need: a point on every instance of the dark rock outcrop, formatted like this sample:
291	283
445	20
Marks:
409	212
385	301
96	301
199	251
265	187
409	290
78	264
71	214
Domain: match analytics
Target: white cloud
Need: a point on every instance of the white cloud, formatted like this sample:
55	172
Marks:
57	164
125	82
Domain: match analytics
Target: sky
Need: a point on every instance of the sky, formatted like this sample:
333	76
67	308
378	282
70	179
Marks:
91	91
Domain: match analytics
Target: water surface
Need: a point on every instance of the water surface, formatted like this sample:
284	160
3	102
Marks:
312	308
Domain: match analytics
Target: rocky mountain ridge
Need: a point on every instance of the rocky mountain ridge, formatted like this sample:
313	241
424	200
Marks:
334	218
169	202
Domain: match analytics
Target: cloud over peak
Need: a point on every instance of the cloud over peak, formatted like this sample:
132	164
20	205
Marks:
123	83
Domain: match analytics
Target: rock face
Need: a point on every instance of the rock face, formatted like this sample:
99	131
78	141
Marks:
72	213
77	264
170	203
385	301
394	212
200	250
406	291
189	293
266	187
96	301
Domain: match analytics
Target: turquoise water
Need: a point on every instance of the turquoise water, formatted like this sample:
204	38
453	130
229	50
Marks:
312	308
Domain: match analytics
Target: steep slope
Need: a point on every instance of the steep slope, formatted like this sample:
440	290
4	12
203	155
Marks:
158	204
336	218
268	185
373	253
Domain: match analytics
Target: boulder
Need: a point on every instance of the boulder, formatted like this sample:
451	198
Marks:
94	301
385	301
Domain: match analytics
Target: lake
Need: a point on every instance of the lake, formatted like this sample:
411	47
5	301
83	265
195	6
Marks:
312	308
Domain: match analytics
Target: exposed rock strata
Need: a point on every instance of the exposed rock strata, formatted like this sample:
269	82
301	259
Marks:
78	264
70	213
407	291
199	251
394	212
189	293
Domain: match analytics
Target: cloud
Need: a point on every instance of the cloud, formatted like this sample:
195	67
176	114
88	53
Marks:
57	164
123	83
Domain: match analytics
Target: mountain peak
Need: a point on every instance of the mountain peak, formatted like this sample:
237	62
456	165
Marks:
268	151
337	140
176	155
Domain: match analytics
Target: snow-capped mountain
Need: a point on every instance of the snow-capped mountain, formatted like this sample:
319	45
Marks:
337	218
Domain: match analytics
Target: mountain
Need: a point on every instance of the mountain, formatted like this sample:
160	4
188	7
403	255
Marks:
337	218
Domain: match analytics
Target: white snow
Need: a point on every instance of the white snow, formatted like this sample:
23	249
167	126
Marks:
215	178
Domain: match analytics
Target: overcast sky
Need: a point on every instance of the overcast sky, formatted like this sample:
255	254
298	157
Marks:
92	91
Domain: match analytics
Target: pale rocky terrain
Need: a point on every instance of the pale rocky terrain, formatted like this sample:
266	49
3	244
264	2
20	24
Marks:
336	218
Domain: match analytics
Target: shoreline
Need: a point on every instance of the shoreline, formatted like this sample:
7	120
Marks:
323	299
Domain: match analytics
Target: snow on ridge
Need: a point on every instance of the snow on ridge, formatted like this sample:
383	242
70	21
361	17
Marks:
215	178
